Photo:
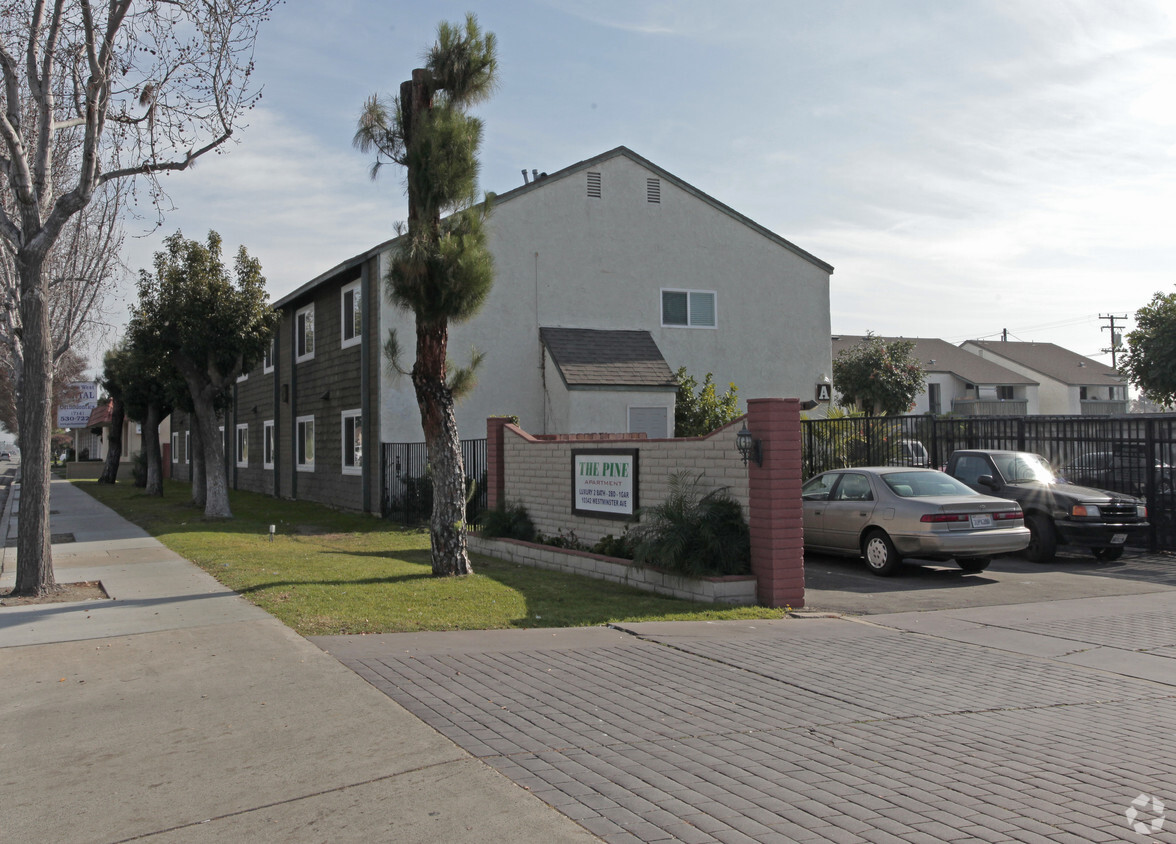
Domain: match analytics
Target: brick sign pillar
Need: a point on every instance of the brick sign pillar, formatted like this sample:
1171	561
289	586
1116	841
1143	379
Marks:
777	542
495	462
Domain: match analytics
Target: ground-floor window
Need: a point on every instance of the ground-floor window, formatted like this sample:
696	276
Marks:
267	444
243	446
175	455
352	442
305	445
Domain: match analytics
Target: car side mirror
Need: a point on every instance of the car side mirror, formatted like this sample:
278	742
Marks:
988	481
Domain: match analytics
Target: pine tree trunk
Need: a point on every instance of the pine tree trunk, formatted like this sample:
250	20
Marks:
151	449
216	482
114	453
34	551
196	463
447	528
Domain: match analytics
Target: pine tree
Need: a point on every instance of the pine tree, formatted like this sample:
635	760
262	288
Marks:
442	270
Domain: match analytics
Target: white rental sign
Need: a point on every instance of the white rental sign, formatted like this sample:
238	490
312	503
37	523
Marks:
604	483
83	394
73	417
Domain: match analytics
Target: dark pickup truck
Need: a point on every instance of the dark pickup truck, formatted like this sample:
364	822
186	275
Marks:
1056	512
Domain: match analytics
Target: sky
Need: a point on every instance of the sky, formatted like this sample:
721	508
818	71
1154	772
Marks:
966	167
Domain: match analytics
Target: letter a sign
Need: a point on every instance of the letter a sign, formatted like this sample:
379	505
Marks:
824	392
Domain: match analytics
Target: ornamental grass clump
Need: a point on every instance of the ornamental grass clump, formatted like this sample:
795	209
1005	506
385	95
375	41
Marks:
508	521
692	532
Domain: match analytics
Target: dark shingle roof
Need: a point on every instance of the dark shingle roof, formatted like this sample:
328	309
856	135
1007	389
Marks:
1053	361
941	356
589	357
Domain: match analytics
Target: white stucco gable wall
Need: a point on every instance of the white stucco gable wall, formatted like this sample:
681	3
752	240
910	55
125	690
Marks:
1049	397
564	259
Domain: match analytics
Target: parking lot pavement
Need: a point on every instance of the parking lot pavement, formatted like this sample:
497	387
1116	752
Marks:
1042	726
844	585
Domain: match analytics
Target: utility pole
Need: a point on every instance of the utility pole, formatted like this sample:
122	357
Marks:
1116	336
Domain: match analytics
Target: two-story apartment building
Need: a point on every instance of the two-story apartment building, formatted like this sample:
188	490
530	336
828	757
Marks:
960	382
609	276
1068	383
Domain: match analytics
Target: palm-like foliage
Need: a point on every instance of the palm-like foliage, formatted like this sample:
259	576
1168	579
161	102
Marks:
693	532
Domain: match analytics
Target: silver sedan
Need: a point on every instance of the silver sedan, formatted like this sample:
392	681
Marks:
887	513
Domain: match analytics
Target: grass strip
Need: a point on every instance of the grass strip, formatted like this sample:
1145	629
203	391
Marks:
331	572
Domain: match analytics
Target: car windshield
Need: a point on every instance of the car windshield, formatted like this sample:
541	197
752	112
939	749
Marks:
924	484
1021	466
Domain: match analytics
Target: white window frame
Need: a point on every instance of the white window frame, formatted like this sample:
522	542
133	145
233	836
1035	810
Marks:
242	438
267	444
175	455
301	464
267	360
346	418
300	333
690	294
344	322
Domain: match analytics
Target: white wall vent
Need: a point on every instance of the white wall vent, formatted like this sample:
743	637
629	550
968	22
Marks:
594	185
653	191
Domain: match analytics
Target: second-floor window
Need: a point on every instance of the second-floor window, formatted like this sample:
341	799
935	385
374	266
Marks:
691	308
267	362
352	308
304	334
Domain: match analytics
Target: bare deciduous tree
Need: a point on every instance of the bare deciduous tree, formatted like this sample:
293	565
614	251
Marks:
95	94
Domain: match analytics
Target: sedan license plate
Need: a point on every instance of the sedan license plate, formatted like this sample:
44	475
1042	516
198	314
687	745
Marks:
981	521
1118	539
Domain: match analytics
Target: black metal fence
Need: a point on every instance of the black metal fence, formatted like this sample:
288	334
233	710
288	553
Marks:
408	483
1130	454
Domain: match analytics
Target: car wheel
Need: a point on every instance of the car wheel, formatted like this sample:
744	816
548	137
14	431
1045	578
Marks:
880	554
973	564
1107	555
1043	542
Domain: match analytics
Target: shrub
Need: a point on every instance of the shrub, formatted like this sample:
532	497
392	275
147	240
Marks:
615	546
694	533
508	521
567	540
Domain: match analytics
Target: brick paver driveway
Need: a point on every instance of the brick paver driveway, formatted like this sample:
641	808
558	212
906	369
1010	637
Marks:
1033	723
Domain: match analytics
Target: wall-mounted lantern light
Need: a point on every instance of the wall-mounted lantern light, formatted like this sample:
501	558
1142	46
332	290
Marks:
749	447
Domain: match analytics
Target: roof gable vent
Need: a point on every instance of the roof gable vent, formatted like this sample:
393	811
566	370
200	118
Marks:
653	191
594	184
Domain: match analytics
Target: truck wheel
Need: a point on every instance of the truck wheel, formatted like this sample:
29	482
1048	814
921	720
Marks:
1107	555
1043	542
973	564
880	553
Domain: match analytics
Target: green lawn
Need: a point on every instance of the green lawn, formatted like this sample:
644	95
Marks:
330	572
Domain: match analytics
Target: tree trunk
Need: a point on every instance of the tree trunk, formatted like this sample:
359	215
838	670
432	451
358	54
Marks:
447	528
114	453
34	551
151	450
196	463
216	482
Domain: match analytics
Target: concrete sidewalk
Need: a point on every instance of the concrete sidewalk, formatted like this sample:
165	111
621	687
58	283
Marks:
178	711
